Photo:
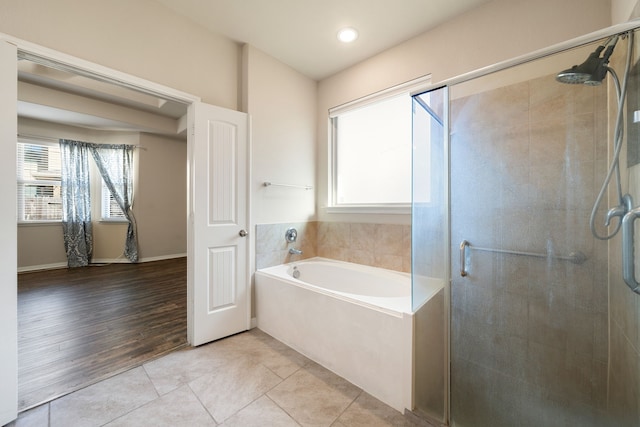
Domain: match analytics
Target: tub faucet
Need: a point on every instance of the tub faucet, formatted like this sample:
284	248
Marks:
294	251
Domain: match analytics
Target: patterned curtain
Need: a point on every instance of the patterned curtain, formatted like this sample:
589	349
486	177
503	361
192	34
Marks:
115	165
76	204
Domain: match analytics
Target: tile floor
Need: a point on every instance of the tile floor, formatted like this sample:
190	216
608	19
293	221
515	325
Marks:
245	380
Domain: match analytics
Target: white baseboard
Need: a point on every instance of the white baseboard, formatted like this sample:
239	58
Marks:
254	323
110	261
121	260
163	257
53	266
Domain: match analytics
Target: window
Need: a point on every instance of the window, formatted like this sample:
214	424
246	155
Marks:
39	185
110	209
39	196
371	152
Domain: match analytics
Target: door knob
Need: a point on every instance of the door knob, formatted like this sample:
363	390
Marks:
243	233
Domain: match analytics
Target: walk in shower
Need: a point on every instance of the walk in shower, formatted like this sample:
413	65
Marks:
542	327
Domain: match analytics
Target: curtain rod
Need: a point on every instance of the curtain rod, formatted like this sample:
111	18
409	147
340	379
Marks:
51	139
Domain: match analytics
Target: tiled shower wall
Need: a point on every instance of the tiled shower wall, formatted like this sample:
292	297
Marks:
624	367
529	335
379	245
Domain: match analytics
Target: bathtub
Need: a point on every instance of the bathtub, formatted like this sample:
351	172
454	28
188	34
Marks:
352	319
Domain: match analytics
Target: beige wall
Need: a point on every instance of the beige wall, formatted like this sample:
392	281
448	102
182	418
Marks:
622	10
497	31
161	197
282	106
139	37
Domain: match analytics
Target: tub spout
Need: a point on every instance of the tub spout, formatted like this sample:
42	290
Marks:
294	251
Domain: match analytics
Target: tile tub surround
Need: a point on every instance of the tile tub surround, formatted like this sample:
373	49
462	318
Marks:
249	379
272	248
377	245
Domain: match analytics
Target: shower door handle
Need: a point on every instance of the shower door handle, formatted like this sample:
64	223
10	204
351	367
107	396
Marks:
463	258
628	250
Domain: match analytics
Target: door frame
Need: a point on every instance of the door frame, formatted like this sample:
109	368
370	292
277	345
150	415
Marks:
86	68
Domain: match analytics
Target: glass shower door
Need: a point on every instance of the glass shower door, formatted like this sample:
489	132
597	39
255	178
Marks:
430	249
530	283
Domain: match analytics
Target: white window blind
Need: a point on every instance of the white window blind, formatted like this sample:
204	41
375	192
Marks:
371	152
38	170
110	209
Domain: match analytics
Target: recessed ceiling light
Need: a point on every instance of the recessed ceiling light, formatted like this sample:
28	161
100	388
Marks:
347	35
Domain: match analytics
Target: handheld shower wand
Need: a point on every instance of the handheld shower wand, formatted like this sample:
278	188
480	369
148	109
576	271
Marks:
592	72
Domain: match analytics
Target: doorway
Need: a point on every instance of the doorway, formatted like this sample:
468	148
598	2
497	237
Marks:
217	257
77	326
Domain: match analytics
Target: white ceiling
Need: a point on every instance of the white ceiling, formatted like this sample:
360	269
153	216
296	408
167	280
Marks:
43	94
302	33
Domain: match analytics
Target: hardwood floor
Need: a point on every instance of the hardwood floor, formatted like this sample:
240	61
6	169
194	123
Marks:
78	326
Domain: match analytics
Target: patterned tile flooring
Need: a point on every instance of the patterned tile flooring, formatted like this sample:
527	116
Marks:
249	379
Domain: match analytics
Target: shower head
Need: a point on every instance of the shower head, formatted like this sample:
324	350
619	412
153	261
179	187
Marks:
593	70
579	74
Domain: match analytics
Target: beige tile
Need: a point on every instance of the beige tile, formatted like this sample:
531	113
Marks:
551	101
368	411
334	252
406	241
334	234
501	107
36	417
270	237
323	233
232	387
314	396
390	262
406	264
389	239
259	347
571	140
262	412
104	401
270	259
363	257
308	234
183	366
179	407
363	237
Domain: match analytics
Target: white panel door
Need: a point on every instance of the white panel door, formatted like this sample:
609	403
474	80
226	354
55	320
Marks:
218	275
8	235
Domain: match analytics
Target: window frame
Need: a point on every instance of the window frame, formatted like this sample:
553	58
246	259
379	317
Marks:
370	208
101	193
20	214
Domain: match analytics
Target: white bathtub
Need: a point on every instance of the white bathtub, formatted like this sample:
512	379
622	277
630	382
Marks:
352	319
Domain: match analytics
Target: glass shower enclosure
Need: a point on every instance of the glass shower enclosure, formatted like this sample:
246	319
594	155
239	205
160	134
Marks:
542	328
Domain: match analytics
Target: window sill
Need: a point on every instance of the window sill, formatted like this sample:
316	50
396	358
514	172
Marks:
370	209
56	223
38	223
113	221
